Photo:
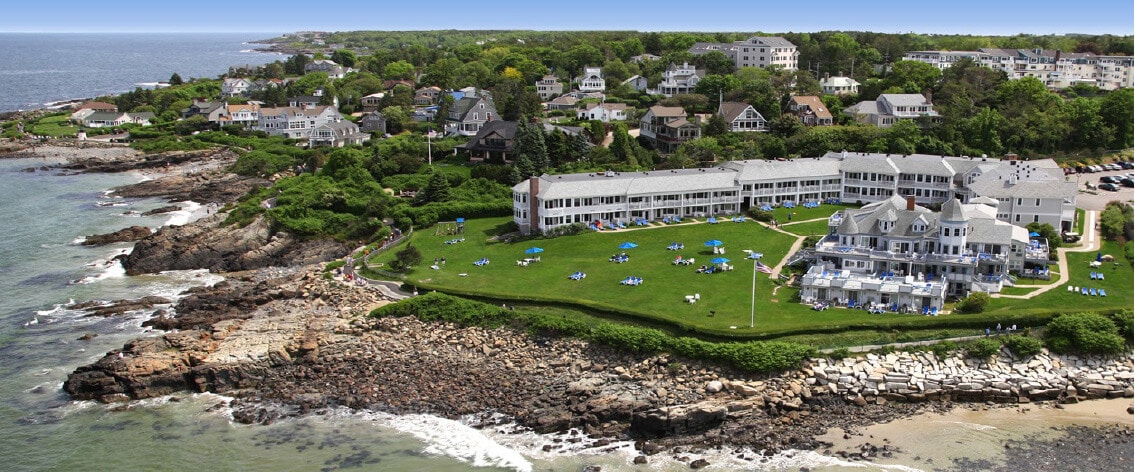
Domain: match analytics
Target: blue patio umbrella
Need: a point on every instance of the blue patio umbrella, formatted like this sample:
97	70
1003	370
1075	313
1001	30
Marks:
534	250
628	245
1099	257
1033	234
719	260
714	243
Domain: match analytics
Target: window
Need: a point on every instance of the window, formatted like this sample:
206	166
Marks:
1038	202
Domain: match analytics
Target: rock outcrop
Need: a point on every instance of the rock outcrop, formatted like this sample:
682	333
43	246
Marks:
132	233
206	244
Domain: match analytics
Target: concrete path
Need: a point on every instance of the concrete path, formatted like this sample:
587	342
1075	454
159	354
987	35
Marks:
1089	243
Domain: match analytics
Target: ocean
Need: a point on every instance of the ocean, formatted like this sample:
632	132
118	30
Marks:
43	267
42	68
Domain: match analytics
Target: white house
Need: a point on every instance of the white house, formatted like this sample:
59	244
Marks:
839	85
337	133
591	80
235	87
295	122
889	108
742	117
679	79
605	112
766	51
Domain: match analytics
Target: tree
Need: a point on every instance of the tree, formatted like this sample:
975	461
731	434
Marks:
715	125
1047	232
398	70
974	303
296	65
444	104
716	63
530	147
407	257
175	79
436	189
1117	109
1116	222
1088	128
344	57
443	73
396	119
713	86
915	76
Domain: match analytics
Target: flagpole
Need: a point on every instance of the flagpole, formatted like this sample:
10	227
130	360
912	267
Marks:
429	146
753	303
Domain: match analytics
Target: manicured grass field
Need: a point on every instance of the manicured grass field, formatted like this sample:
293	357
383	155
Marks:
807	228
725	298
56	126
1118	282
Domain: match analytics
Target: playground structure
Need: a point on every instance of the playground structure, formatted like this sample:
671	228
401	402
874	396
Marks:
450	227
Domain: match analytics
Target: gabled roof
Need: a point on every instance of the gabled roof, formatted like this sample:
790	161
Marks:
501	128
772	41
813	103
659	110
865	221
760	169
905	99
101	106
839	82
632	183
731	110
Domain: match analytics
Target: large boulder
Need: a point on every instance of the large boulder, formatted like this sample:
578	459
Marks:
132	233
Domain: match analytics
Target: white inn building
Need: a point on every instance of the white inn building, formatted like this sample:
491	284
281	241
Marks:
1057	69
1024	191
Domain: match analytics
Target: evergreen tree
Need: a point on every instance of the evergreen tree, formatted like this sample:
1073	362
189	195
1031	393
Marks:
715	125
530	148
436	190
175	79
443	106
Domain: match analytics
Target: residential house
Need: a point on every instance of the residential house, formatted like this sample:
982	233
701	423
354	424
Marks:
467	115
605	112
1057	69
562	102
889	108
373	122
108	119
331	68
235	87
549	86
742	117
389	85
839	85
244	115
645	57
494	142
86	109
295	122
373	102
811	110
337	133
679	79
591	80
636	82
308	101
212	111
667	128
427	96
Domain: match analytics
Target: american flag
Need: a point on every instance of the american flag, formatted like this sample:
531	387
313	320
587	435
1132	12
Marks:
763	268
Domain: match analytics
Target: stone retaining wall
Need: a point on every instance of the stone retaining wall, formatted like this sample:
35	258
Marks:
921	376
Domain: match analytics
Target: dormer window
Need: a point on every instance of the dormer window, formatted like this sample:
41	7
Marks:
886	226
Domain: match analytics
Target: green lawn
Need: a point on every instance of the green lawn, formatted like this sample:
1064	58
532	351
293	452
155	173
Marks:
1118	282
56	125
800	213
807	228
661	297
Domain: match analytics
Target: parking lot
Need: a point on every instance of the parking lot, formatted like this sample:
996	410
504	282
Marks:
1096	199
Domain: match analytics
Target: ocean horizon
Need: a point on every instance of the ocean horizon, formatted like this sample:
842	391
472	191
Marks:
45	68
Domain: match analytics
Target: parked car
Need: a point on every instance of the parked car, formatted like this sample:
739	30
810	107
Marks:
1109	179
1112	166
1127	182
1109	187
1127	164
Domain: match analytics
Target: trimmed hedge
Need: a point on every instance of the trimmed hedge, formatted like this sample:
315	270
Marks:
756	356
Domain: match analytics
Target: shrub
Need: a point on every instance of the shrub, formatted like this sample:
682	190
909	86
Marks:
1022	346
435	306
841	353
974	303
943	348
1088	333
982	348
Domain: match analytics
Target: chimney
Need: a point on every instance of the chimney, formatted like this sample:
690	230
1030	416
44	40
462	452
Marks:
533	205
826	75
910	203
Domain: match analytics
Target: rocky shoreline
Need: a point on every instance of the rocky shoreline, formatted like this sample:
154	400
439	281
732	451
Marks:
285	340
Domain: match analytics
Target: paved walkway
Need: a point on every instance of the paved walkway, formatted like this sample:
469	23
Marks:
1090	243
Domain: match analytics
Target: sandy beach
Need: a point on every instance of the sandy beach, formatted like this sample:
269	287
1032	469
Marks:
984	437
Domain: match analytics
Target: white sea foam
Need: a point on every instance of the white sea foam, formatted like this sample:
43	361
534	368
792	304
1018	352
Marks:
109	268
186	214
454	439
970	426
